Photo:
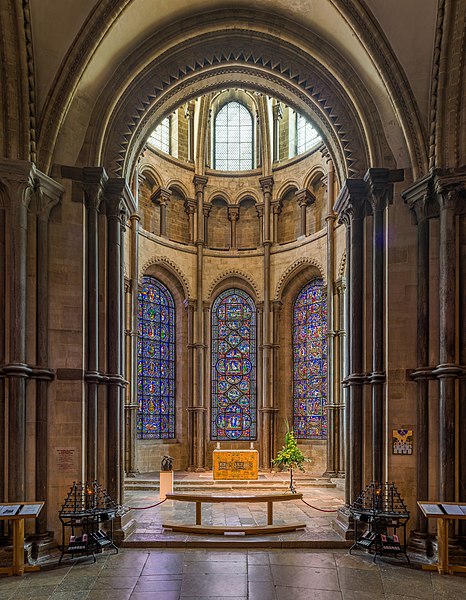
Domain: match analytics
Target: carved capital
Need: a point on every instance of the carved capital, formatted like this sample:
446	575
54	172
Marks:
351	202
304	197
266	184
276	207
199	183
260	210
48	194
380	186
233	213
190	206
161	196
18	178
420	198
94	182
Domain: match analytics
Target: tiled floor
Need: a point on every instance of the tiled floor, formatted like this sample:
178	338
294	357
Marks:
318	524
233	575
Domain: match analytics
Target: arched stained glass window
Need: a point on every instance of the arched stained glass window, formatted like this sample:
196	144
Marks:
310	362
233	366
233	138
156	362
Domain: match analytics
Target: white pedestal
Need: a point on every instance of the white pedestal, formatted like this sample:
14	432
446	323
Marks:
166	483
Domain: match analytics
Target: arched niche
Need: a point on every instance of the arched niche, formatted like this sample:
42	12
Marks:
247	232
219	231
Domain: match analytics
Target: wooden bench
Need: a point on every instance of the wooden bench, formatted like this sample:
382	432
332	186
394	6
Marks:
245	529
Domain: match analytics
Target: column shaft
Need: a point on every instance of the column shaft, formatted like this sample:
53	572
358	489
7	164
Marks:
462	383
3	448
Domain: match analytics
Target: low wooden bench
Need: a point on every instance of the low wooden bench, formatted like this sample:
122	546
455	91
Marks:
245	529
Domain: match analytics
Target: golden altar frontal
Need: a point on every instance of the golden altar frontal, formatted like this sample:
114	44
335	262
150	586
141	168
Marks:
236	464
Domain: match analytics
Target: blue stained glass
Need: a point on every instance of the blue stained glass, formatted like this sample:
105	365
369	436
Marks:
156	362
234	367
310	362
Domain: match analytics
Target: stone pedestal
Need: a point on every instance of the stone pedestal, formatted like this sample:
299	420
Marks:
166	484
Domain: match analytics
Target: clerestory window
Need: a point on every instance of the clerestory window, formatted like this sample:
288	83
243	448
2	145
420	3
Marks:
233	138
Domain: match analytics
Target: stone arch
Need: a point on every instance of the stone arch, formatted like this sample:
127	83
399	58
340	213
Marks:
286	187
179	186
171	267
221	194
314	174
148	168
247	193
299	267
229	278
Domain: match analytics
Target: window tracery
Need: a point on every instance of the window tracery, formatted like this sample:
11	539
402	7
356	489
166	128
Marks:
156	361
233	138
310	362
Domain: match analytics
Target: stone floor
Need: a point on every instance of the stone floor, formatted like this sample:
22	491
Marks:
233	575
318	531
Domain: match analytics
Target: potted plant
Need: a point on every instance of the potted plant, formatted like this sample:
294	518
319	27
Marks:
290	456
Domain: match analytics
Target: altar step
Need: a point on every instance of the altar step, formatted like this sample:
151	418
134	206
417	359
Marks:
197	484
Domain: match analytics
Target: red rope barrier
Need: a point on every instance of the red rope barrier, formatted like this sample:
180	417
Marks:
315	507
146	507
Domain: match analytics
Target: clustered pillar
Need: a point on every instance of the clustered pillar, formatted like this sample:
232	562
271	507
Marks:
24	192
441	196
358	199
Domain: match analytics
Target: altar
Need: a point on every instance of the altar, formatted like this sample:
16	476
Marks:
235	464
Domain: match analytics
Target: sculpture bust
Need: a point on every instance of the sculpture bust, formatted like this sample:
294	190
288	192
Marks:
167	463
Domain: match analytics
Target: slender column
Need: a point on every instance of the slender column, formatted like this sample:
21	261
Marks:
267	408
351	206
276	308
303	198
340	363
189	306
3	449
276	210
199	407
462	345
418	198
189	114
190	208
162	197
447	370
277	115
260	216
332	408
94	182
48	194
132	369
233	216
18	179
380	192
206	212
115	209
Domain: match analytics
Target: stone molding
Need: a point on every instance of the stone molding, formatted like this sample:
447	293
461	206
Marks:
292	270
233	273
172	267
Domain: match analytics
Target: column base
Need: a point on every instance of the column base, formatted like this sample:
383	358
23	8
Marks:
132	474
123	527
329	474
199	470
420	543
343	523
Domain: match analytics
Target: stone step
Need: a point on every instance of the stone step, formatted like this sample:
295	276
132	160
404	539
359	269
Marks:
188	485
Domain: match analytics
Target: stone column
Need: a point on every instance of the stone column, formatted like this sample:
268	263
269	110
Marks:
276	308
447	371
276	210
48	194
18	180
339	370
199	408
418	198
350	206
260	216
267	410
277	115
303	198
3	448
190	209
190	306
233	216
162	196
115	210
206	212
380	194
94	180
131	405
332	409
462	345
189	114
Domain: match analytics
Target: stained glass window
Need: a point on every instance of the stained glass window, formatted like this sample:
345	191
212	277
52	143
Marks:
233	366
156	362
160	137
310	362
233	140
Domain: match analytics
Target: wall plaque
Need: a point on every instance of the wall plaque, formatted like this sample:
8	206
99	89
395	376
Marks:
66	461
402	441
